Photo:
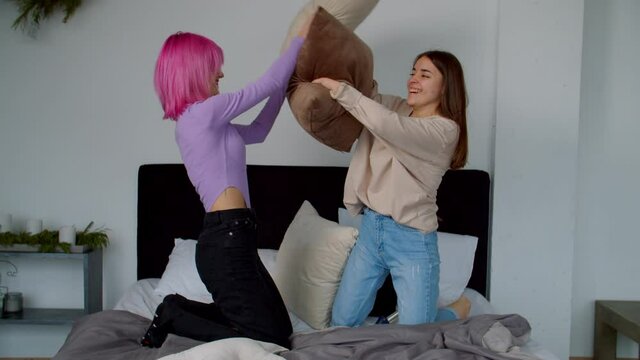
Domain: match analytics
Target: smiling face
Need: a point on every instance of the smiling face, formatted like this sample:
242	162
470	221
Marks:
424	88
215	86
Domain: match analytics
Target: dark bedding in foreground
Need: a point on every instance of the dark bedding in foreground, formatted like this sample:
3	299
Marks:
462	339
114	334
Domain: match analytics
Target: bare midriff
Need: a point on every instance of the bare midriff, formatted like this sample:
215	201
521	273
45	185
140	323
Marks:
231	198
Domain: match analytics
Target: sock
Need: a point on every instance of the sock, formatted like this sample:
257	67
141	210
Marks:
157	332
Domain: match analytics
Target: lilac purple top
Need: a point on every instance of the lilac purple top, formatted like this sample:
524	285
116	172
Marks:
212	148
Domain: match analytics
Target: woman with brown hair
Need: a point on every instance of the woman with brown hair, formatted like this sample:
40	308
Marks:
405	148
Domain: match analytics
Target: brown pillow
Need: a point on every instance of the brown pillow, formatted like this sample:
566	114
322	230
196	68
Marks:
330	50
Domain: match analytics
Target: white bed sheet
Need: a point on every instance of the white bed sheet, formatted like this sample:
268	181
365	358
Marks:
141	299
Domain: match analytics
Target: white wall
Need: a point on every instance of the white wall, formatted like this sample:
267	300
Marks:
536	144
79	117
606	262
79	114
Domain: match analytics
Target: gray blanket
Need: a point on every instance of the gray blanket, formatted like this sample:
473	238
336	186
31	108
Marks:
462	339
114	334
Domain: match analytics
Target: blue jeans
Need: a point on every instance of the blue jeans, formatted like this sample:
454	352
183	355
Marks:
412	259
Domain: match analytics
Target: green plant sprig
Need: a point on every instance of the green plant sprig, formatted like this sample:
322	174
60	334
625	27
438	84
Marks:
47	240
34	11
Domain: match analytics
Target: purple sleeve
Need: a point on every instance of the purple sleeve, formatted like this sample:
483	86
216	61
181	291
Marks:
272	83
258	130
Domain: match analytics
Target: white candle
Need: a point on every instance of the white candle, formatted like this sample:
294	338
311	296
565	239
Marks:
34	226
5	222
67	234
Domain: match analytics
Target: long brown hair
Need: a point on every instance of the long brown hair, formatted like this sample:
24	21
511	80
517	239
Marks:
453	104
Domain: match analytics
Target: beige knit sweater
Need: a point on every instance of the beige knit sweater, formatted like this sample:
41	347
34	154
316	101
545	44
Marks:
399	160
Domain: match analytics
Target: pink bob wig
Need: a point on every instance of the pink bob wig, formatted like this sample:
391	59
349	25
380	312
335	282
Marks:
184	70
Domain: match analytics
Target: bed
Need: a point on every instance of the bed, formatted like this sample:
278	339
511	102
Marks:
169	209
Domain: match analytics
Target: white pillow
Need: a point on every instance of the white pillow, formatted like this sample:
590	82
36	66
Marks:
309	265
181	275
457	253
350	14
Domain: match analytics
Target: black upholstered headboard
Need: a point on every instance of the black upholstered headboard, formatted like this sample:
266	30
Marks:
169	208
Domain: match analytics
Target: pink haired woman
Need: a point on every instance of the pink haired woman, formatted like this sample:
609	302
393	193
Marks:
246	300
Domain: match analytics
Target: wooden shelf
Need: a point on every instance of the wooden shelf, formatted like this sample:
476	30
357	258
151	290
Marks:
92	269
43	316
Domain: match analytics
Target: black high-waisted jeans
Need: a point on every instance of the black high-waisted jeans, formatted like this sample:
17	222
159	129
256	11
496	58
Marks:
246	300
